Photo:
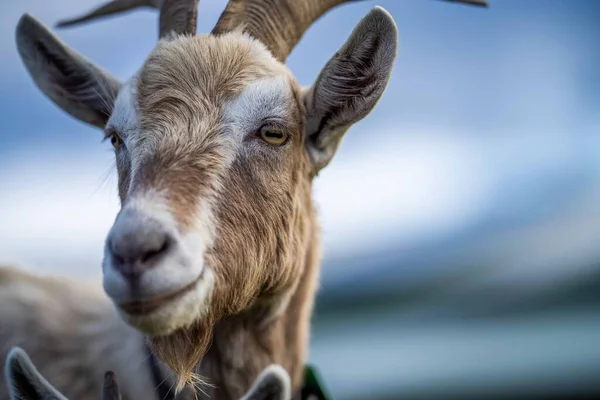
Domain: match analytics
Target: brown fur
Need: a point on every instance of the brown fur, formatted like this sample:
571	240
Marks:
186	78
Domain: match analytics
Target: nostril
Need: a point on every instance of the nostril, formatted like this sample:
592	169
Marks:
137	244
150	254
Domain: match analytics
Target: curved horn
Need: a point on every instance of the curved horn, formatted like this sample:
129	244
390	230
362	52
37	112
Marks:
113	7
178	17
279	24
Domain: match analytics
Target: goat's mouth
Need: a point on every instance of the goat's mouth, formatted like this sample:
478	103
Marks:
164	312
148	305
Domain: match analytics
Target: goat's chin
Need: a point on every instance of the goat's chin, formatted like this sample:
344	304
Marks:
181	313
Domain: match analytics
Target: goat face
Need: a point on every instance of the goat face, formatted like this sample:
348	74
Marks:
213	181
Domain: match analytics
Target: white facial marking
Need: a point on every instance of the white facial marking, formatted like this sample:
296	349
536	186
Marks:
152	203
124	118
202	236
263	99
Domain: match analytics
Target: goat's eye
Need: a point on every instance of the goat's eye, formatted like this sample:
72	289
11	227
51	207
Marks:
273	136
114	138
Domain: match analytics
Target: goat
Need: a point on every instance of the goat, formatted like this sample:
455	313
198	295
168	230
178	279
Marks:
73	335
26	383
216	147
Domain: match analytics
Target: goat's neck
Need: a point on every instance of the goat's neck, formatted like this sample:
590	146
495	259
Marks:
243	345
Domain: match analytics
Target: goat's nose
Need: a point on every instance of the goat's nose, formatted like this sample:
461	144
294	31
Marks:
136	243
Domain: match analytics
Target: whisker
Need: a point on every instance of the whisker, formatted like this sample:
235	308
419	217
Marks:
105	178
170	387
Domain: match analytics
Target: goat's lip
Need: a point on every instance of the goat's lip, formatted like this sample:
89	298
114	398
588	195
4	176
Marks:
147	305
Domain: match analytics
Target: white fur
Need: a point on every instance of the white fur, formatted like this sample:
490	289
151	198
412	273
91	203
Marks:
179	313
275	374
124	116
152	203
124	120
264	99
202	236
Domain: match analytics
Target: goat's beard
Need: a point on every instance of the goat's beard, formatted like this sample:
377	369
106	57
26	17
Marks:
183	350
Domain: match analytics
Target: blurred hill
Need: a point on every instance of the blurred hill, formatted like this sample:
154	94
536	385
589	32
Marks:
507	310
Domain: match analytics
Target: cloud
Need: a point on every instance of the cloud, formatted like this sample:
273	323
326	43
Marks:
405	187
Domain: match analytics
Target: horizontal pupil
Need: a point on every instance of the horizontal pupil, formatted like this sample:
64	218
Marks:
275	134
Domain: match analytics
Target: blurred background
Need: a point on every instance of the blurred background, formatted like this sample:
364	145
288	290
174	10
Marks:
461	219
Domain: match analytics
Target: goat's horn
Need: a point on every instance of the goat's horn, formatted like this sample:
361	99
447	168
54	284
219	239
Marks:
178	17
113	7
279	24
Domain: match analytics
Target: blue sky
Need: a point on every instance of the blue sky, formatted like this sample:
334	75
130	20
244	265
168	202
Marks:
490	116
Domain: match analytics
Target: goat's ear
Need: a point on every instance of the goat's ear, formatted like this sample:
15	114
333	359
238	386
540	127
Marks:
350	84
24	380
73	83
273	383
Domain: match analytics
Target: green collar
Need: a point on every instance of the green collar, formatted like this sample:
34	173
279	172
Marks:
313	388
